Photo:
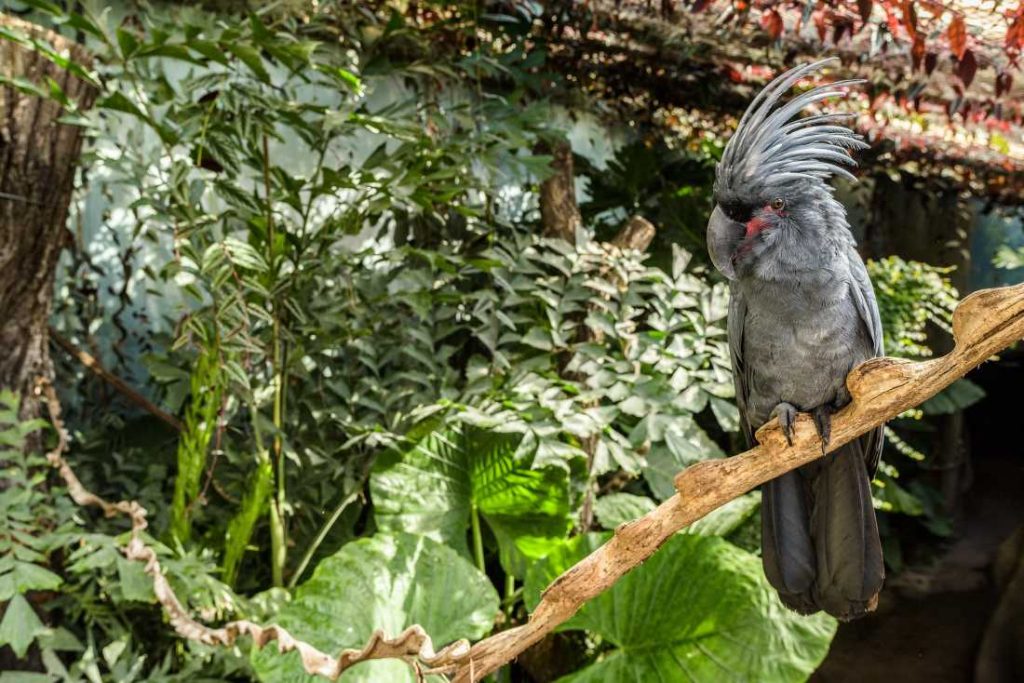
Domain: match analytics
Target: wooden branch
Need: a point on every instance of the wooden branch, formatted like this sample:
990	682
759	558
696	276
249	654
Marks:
984	323
113	380
637	233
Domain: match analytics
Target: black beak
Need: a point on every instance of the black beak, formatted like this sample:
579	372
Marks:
724	235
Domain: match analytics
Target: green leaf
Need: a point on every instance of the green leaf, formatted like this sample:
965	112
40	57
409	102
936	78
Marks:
24	677
25	576
20	626
344	75
619	508
118	102
61	640
388	583
243	255
726	413
432	487
240	528
685	444
249	56
728	518
959	395
135	584
700	610
126	42
891	497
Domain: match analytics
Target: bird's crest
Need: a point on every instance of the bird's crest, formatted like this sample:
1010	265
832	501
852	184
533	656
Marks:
769	146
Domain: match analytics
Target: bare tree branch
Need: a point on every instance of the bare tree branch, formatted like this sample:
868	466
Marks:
113	380
984	324
637	233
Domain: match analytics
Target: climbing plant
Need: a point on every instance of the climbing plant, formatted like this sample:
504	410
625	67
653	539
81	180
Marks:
390	387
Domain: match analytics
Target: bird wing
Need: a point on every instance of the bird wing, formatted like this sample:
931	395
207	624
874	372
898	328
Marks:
864	299
740	373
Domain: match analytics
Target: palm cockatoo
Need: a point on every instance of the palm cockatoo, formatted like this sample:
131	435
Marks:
802	315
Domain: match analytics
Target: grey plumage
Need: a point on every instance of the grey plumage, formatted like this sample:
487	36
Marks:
802	315
770	148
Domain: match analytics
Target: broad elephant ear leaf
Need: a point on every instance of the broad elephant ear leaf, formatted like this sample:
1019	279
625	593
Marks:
619	508
385	582
433	487
725	520
699	610
685	443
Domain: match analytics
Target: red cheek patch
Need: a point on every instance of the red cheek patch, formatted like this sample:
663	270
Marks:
755	225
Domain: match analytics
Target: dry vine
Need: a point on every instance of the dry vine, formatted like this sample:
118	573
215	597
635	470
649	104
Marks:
984	323
413	644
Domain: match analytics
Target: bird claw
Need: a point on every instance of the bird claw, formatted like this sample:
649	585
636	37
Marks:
823	423
787	419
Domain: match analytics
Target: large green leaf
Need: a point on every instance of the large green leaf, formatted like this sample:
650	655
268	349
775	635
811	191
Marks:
385	582
726	519
698	610
959	395
20	625
434	487
685	443
619	508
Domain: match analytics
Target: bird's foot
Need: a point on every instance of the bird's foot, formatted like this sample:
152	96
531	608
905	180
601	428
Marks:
823	423
787	419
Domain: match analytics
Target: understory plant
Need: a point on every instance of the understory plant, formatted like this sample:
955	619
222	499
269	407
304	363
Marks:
398	403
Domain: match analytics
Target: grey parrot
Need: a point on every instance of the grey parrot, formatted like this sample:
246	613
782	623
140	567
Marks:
802	314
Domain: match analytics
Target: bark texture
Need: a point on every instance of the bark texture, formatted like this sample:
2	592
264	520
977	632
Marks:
38	156
559	213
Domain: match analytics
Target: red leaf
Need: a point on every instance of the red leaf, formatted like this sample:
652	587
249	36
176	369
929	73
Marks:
1004	81
1015	34
819	23
958	36
891	20
864	9
930	61
771	21
910	18
967	67
917	52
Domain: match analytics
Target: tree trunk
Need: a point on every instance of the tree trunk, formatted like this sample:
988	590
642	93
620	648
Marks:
37	169
559	214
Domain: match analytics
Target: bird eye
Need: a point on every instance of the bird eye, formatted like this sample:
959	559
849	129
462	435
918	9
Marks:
778	203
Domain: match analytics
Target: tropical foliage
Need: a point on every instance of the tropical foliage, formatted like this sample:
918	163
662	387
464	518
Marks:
398	402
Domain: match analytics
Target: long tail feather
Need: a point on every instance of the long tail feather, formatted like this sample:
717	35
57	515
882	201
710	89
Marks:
819	536
845	532
786	547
